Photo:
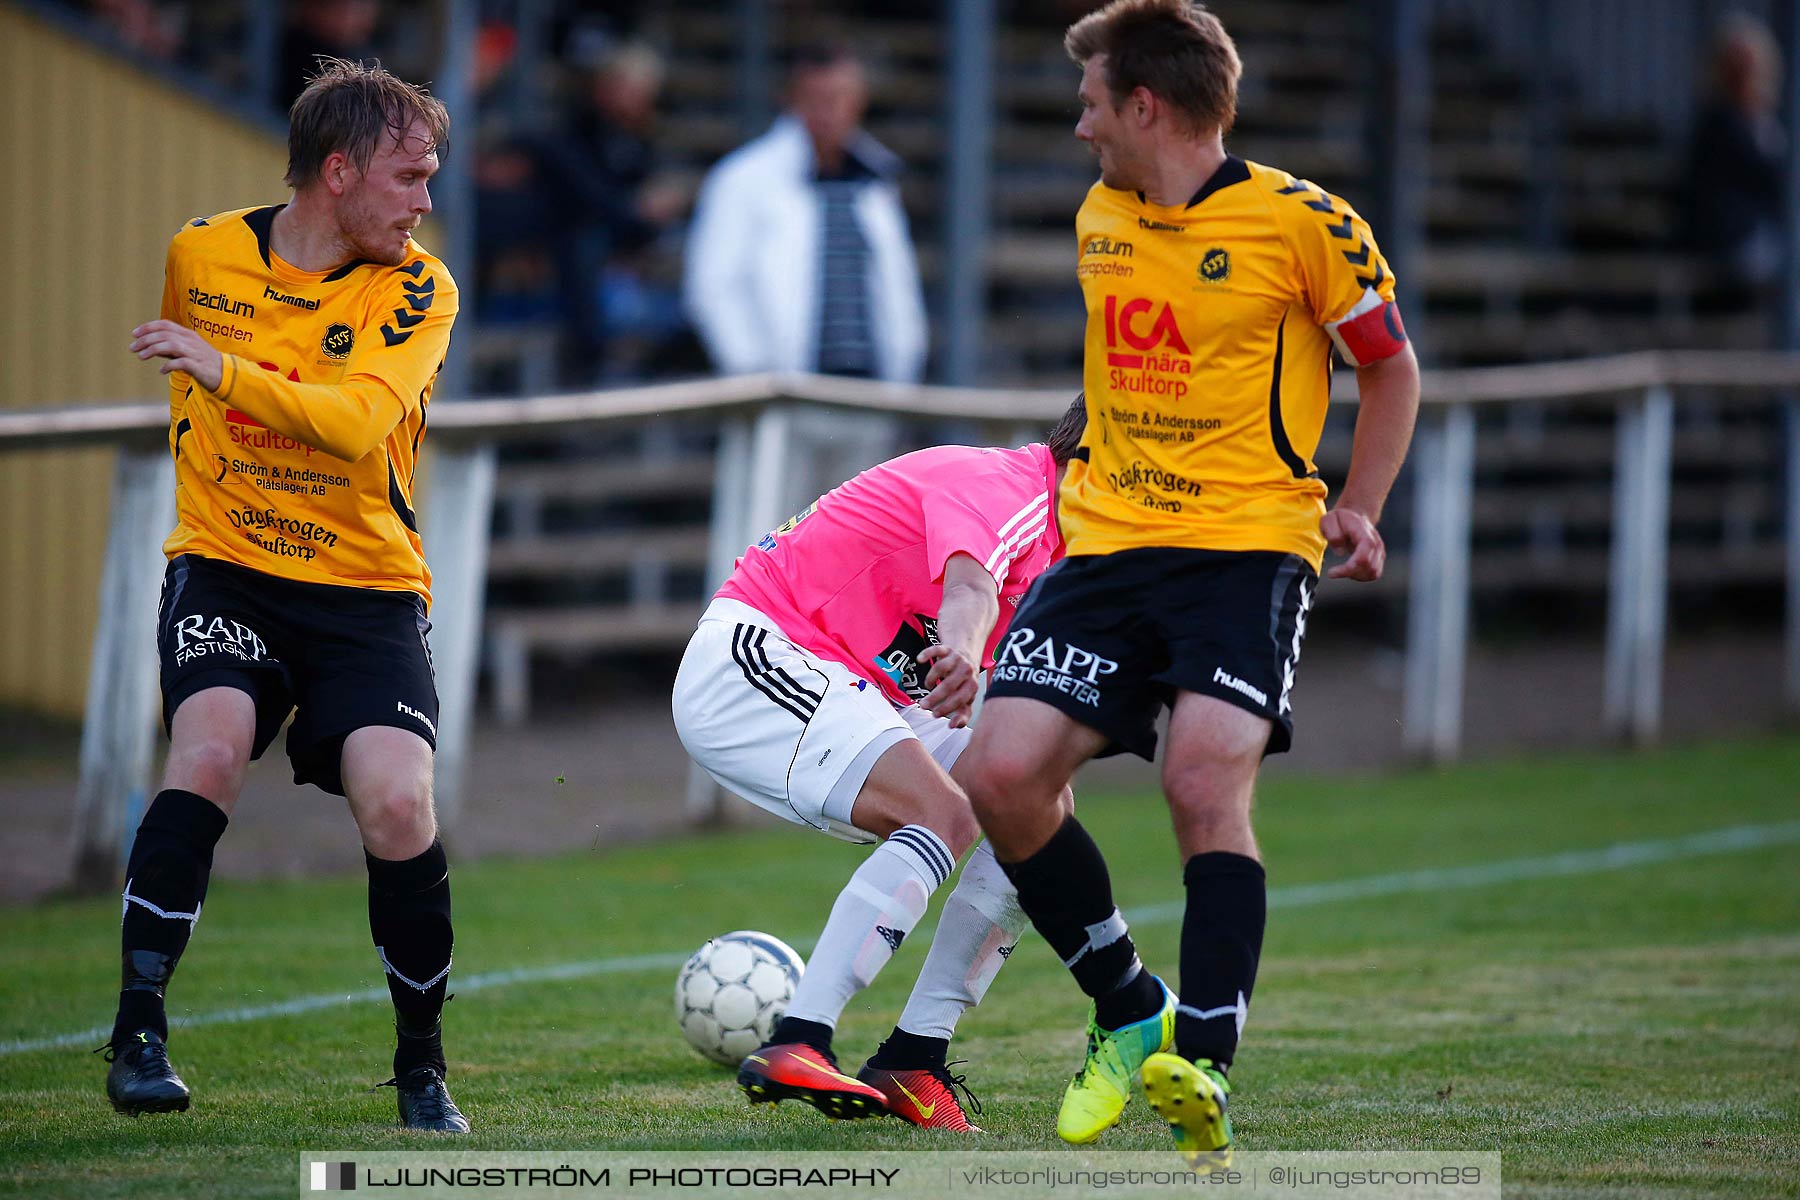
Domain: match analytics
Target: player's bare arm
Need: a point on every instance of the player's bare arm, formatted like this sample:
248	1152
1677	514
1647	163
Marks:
1389	405
971	605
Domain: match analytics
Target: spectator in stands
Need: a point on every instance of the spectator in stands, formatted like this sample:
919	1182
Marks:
1733	193
332	28
799	257
601	166
148	28
515	225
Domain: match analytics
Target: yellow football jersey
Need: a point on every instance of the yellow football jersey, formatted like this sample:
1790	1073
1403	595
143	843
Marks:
301	465
1208	361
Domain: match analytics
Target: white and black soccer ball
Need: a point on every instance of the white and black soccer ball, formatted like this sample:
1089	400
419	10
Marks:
733	990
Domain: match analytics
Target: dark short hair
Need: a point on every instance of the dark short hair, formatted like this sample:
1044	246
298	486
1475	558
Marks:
348	107
1065	438
820	53
1174	48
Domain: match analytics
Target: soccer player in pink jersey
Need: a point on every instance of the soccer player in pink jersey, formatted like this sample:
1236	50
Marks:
831	682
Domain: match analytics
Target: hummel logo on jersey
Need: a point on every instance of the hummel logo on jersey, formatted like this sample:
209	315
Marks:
283	298
1239	686
893	937
1006	951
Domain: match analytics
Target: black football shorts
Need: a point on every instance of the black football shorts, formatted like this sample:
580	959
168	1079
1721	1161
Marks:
1108	639
339	658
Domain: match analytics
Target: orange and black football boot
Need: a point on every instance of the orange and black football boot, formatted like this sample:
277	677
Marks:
797	1071
926	1096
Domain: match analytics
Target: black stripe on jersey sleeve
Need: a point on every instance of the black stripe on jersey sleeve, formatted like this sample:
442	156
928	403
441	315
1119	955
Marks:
1277	427
398	500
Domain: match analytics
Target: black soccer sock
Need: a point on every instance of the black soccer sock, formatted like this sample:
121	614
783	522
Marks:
165	884
409	918
910	1051
1065	889
796	1029
1221	941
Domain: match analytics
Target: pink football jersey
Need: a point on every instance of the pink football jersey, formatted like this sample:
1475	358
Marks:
859	576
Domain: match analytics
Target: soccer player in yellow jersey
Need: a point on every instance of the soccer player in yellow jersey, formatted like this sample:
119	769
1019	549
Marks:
301	342
1196	523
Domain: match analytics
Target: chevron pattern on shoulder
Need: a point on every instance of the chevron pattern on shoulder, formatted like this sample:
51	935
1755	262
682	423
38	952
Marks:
419	296
1320	201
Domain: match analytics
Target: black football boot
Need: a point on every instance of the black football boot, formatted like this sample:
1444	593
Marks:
141	1079
425	1102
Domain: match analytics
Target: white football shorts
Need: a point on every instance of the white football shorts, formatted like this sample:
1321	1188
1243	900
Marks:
791	732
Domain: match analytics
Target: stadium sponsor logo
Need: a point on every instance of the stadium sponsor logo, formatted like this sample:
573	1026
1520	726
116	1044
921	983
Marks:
1145	351
220	302
1026	658
1106	246
406	709
198	636
1221	676
270	293
259	524
1215	265
338	341
1159	226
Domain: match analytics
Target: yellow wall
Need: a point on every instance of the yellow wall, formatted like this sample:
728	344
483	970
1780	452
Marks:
102	164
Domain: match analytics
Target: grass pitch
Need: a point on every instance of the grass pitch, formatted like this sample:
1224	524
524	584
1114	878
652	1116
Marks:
1615	1025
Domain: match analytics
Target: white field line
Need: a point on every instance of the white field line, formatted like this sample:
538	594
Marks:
1619	856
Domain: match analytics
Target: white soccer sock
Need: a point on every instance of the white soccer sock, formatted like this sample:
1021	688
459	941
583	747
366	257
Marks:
873	914
981	923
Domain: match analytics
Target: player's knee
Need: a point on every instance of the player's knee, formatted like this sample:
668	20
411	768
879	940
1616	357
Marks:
1205	788
1210	803
211	767
951	818
997	782
397	820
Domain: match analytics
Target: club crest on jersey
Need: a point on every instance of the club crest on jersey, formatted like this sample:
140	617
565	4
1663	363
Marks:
338	341
1215	265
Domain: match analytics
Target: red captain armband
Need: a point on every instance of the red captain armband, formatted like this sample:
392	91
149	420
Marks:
1369	336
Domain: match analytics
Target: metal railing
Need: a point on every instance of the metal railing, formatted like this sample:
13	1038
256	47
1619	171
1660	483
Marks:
781	444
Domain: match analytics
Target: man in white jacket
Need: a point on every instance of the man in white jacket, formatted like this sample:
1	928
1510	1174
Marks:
799	257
